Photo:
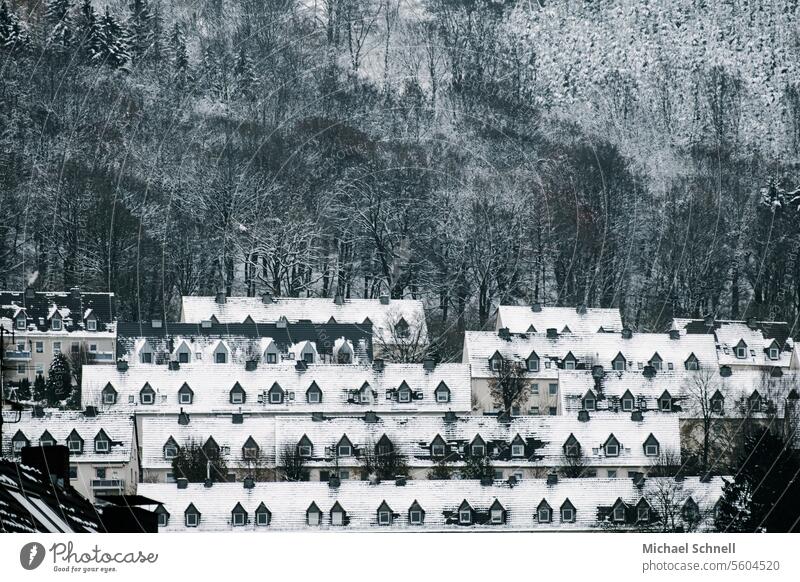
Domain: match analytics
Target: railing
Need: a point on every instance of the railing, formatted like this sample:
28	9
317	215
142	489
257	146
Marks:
108	484
18	355
102	356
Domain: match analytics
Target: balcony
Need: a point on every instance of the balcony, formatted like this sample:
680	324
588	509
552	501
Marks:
101	356
18	355
108	484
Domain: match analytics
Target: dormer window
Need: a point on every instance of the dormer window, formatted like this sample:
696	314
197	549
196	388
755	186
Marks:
163	516
627	401
755	402
416	515
404	393
665	402
147	357
313	514
314	394
611	447
590	401
570	362
308	354
690	510
191	516
185	394
651	446
147	395
619	362
171	449
55	323
305	447
533	362
91	324
567	512
717	402
572	448
774	354
102	444
46	440
384	514
238	516
344	448
276	394
19	441
656	362
643	512
402	329
618	513
337	514
518	447
263	515
109	394
497	513
544	512
465	513
237	394
741	350
442	393
692	363
250	449
75	442
477	447
438	447
22	321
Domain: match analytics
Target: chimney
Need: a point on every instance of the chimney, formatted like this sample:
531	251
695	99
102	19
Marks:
237	418
338	299
637	416
752	323
627	333
174	365
377	364
725	371
503	333
581	309
674	334
400	481
552	478
220	298
156	324
552	333
250	365
649	372
583	416
450	416
52	461
208	483
267	299
75	292
536	307
122	365
249	483
487	481
183	418
182	482
512	481
301	365
637	478
90	412
384	299
333	482
317	416
30	293
428	364
597	372
370	417
37	411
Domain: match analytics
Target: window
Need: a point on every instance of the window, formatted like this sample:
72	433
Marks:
741	352
612	450
275	397
588	403
192	519
666	404
345	358
651	450
442	396
552	389
619	365
337	518
415	517
619	513
438	450
345	450
163	520
404	396
656	364
478	450
534	410
313	518
627	404
250	453
56	348
262	518
238	398
73	471
92	347
91	324
544	515
670	366
170	451
643	514
567	514
569	364
384	518
533	365
272	358
465	516
101	446
239	518
498	475
147	397
100	472
18	446
495	364
39	347
22	369
304	450
21	322
220	357
773	353
183	357
55	324
716	405
497	516
517	450
612	473
534	388
313	397
74	446
691	364
46	442
185	398
308	357
553	411
147	357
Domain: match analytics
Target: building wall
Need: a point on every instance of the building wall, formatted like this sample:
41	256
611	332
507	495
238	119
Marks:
87	472
482	400
27	366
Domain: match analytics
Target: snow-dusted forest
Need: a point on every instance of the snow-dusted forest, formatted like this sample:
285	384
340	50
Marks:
632	153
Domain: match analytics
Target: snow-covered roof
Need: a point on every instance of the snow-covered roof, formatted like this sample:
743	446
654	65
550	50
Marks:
61	423
588	350
73	308
212	383
523	319
288	503
757	337
686	387
384	316
545	437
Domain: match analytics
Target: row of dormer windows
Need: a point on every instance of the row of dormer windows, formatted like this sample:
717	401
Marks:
619	363
74	442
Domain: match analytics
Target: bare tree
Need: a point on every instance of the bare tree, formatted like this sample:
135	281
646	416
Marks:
510	385
574	466
675	508
292	464
403	341
700	389
379	464
666	464
257	467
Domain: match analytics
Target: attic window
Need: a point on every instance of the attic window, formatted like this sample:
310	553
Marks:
344	450
276	397
101	445
262	517
313	396
75	445
478	450
91	324
619	513
495	363
238	518
147	357
627	404
146	397
651	450
402	329
567	515
543	515
185	398
741	352
163	519
313	518
438	450
404	393
170	450
220	357
192	519
272	358
21	322
643	513
183	357
465	516
304	450
612	450
533	364
589	403
442	393
517	450
308	357
55	324
415	517
385	517
497	516
774	353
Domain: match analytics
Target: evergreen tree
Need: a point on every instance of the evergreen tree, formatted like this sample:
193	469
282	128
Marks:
59	20
91	35
114	48
24	390
59	380
140	25
12	35
180	57
39	389
192	463
245	77
765	493
74	398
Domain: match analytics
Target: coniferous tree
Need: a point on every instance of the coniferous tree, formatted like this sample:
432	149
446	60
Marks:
141	25
180	56
58	16
39	389
765	493
245	77
91	34
115	49
59	380
24	390
12	35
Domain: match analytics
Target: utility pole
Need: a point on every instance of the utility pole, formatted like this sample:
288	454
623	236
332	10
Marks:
3	421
